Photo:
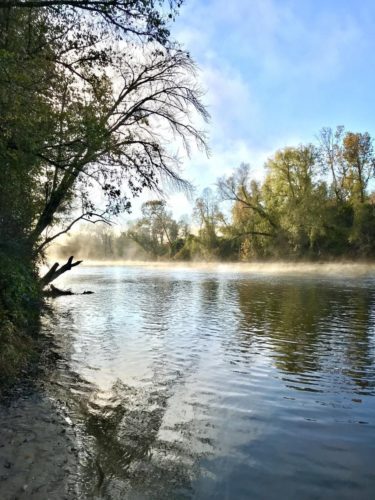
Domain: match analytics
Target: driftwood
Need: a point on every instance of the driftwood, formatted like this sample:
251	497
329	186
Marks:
57	270
57	292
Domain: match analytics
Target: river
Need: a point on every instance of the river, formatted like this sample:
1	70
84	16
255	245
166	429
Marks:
214	383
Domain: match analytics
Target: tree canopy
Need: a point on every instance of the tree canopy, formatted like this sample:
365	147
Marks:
93	94
314	202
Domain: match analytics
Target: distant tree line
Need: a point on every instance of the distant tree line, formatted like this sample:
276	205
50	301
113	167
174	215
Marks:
315	202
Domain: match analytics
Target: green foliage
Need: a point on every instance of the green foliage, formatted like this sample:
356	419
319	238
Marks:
20	300
293	196
66	126
188	250
157	233
19	288
313	203
25	122
362	233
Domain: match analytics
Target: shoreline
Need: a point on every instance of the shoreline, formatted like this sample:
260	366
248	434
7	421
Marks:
38	455
38	441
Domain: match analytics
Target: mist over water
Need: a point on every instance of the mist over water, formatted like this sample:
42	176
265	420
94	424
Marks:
338	269
221	381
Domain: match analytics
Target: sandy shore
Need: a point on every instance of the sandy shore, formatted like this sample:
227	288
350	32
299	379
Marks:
38	458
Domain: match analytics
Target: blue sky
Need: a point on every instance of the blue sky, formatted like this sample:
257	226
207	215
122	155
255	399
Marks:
275	72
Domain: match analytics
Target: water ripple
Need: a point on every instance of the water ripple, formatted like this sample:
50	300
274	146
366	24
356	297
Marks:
211	385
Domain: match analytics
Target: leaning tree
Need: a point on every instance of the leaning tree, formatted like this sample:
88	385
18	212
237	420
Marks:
110	96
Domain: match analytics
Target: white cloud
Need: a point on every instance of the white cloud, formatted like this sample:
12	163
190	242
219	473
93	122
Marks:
229	100
263	63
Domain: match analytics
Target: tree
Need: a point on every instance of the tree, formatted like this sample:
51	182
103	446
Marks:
131	17
331	158
184	226
295	196
25	121
114	141
350	160
156	232
252	225
358	152
245	193
207	215
111	92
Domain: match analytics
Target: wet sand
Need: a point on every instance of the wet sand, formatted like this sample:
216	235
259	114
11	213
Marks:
38	458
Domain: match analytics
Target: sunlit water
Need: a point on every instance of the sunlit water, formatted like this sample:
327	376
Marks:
205	384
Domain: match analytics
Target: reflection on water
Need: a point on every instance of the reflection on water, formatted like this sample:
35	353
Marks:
220	385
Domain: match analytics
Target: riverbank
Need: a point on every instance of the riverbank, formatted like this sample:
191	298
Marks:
20	308
38	457
38	451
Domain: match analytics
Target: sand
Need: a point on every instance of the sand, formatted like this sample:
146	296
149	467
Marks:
38	458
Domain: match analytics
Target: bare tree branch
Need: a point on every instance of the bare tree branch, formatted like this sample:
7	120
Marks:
57	271
86	217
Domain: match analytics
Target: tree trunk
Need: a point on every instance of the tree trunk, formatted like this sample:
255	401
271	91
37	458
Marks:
57	271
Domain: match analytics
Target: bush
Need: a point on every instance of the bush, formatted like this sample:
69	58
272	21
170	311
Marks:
20	300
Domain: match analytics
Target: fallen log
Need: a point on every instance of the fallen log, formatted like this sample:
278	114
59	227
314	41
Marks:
53	291
56	292
57	270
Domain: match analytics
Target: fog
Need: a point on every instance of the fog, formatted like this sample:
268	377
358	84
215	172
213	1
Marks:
97	244
342	269
103	247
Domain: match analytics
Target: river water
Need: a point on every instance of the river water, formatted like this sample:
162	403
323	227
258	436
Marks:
199	383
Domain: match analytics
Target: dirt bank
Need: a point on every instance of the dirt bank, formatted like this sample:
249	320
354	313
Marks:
38	458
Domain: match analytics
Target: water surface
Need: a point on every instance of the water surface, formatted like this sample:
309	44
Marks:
204	384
